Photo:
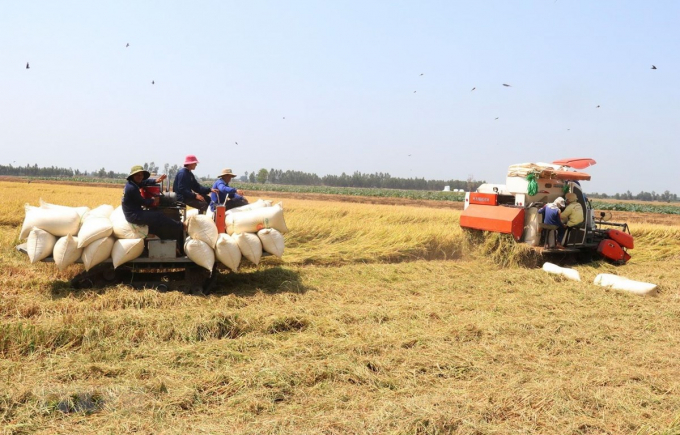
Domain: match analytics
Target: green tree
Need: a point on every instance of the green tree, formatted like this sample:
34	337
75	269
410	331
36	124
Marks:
262	175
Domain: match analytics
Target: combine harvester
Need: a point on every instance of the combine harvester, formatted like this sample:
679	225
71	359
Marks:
512	208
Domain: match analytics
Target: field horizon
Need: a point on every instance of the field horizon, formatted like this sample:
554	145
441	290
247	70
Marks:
381	317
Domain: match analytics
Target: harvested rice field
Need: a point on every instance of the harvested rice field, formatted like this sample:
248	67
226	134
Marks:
381	318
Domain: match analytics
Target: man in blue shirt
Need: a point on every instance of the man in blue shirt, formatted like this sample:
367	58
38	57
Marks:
552	216
133	203
188	190
221	191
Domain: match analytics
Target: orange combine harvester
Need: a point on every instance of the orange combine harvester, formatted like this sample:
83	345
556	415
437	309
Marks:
512	208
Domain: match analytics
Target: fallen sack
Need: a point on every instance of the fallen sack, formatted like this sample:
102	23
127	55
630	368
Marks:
563	271
125	250
56	221
228	252
272	241
201	227
124	229
200	253
250	246
255	220
97	251
620	283
39	245
66	252
94	228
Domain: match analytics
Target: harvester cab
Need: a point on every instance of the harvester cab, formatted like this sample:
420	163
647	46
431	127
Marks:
512	208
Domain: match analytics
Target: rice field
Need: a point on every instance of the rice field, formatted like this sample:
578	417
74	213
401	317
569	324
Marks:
379	319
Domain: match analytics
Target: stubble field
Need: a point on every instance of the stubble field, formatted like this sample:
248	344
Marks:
380	319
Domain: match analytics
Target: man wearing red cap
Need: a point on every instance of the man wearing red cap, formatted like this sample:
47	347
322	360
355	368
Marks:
188	189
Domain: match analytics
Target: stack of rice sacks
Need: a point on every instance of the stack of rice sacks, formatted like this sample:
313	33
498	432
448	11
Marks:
251	229
70	234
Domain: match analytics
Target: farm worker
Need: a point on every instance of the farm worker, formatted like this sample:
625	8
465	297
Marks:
225	191
572	215
133	203
187	189
552	216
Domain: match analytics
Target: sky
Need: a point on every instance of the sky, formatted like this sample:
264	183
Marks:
344	86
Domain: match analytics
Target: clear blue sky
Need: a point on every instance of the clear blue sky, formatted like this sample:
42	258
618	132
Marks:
370	86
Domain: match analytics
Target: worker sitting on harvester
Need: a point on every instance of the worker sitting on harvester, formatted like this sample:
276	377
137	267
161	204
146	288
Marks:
133	203
552	220
572	216
188	190
225	191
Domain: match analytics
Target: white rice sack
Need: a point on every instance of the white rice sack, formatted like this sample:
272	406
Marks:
80	210
621	283
94	228
260	203
39	245
255	220
124	229
563	271
228	252
250	246
125	250
97	251
56	221
200	253
191	212
66	252
201	227
103	210
272	241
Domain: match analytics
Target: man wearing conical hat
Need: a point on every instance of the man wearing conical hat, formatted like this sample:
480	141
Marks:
225	194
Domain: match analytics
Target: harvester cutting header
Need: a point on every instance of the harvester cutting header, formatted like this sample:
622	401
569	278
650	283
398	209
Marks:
517	208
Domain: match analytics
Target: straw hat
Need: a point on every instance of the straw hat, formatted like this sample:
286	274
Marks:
226	172
137	169
570	197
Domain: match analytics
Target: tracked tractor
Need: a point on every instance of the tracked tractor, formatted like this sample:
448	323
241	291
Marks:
512	208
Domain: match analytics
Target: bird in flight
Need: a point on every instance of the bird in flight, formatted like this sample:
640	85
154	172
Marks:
127	45
414	92
27	67
653	67
422	74
153	82
495	119
598	106
236	143
284	117
472	89
506	85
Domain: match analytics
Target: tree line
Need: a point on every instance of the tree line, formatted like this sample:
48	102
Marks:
299	178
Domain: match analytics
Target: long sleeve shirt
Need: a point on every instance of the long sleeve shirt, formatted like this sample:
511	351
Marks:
133	201
573	214
185	185
225	191
551	215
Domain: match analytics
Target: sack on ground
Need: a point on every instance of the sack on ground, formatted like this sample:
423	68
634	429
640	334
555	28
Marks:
250	246
201	227
124	229
256	220
97	251
272	241
56	221
200	253
228	252
39	245
125	250
94	228
66	252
